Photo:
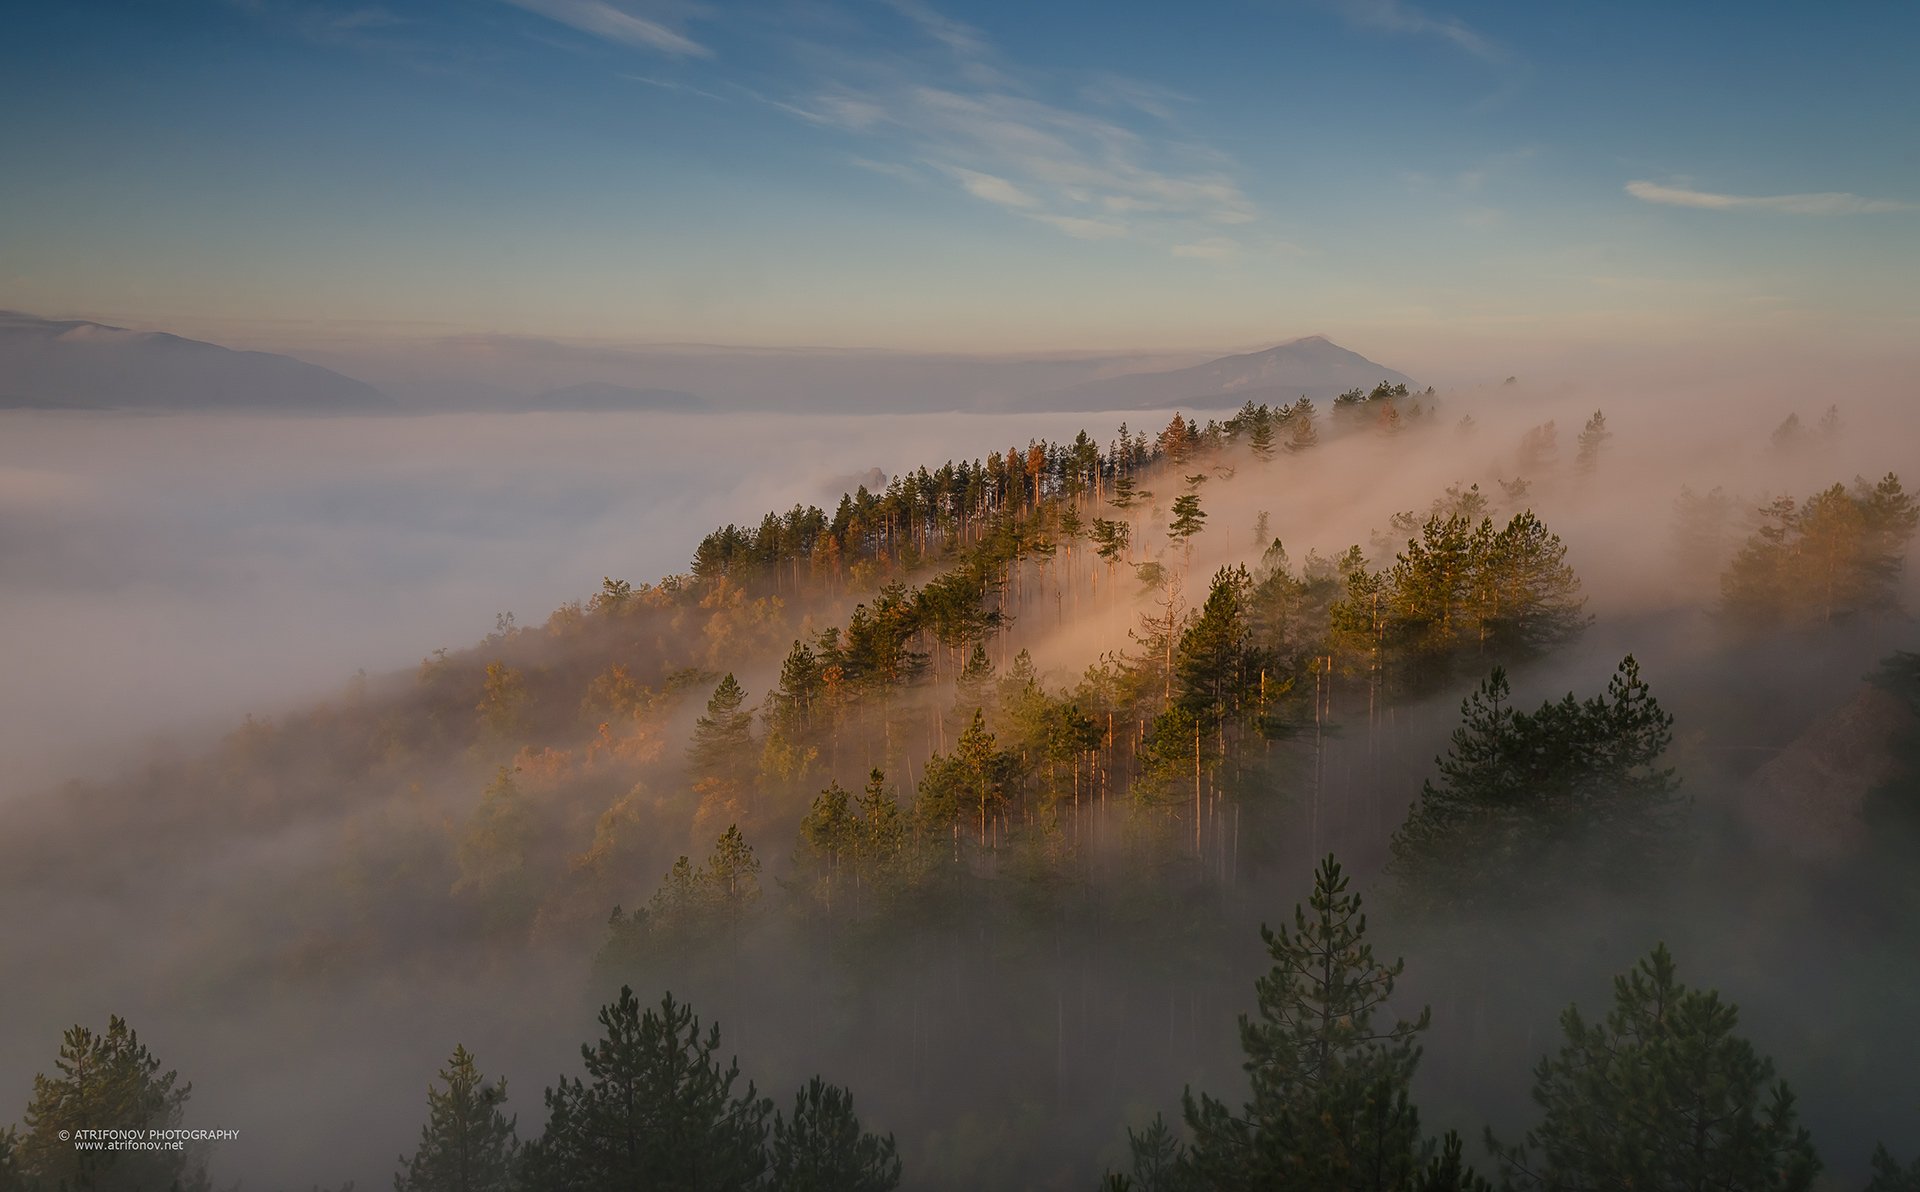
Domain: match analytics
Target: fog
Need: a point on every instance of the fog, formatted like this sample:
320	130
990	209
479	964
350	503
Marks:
166	576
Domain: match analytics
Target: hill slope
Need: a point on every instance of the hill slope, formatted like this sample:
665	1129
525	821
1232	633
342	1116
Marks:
1313	367
73	364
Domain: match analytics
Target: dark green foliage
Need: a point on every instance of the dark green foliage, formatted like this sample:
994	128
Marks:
655	1112
1160	1162
1890	1176
1460	590
1217	667
723	738
1188	518
822	1148
467	1145
1329	1106
692	912
104	1081
1663	1094
1448	1171
1570	796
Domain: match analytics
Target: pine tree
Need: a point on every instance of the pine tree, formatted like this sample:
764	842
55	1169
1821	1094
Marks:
1663	1094
467	1145
1160	1162
1329	1107
656	1113
723	736
1302	436
1260	435
1528	599
107	1081
1448	1171
1889	1176
494	850
730	881
1188	518
822	1148
1591	440
1530	803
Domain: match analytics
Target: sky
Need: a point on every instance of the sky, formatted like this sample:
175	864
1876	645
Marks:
1420	182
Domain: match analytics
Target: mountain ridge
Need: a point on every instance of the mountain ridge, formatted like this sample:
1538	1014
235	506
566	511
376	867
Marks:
80	364
1309	366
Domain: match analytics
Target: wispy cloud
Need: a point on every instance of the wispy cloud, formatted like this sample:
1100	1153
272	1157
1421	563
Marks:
993	189
1213	248
611	22
891	169
1094	159
1082	228
1393	16
1821	203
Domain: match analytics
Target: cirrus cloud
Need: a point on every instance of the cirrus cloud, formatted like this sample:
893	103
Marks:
1819	203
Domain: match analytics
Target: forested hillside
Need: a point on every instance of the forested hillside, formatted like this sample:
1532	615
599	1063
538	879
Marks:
977	796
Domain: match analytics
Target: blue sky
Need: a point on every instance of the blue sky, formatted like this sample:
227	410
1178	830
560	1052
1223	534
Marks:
976	177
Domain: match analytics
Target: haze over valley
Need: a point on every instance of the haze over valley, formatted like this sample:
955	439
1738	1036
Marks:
870	596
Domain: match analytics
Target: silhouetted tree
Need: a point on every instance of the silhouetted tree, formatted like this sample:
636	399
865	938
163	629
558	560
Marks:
1662	1094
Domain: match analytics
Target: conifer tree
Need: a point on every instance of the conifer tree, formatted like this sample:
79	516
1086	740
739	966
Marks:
467	1145
1592	439
1662	1094
1303	437
1329	1106
1188	518
1890	1176
1529	803
107	1081
723	736
1160	1162
656	1112
822	1147
1260	435
1448	1171
494	850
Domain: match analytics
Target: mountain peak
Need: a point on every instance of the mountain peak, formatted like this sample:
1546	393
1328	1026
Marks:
1311	366
80	364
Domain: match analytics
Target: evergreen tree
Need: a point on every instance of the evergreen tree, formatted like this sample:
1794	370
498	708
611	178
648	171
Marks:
1530	803
1889	1176
1260	435
1302	437
1448	1171
1528	598
1662	1095
493	852
723	736
1591	440
1837	555
1329	1106
656	1113
1188	518
467	1145
1160	1162
108	1081
822	1148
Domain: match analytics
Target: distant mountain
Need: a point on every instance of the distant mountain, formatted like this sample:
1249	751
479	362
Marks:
73	364
598	396
1313	367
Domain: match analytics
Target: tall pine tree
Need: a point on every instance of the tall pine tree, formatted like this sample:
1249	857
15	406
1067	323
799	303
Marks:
467	1145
